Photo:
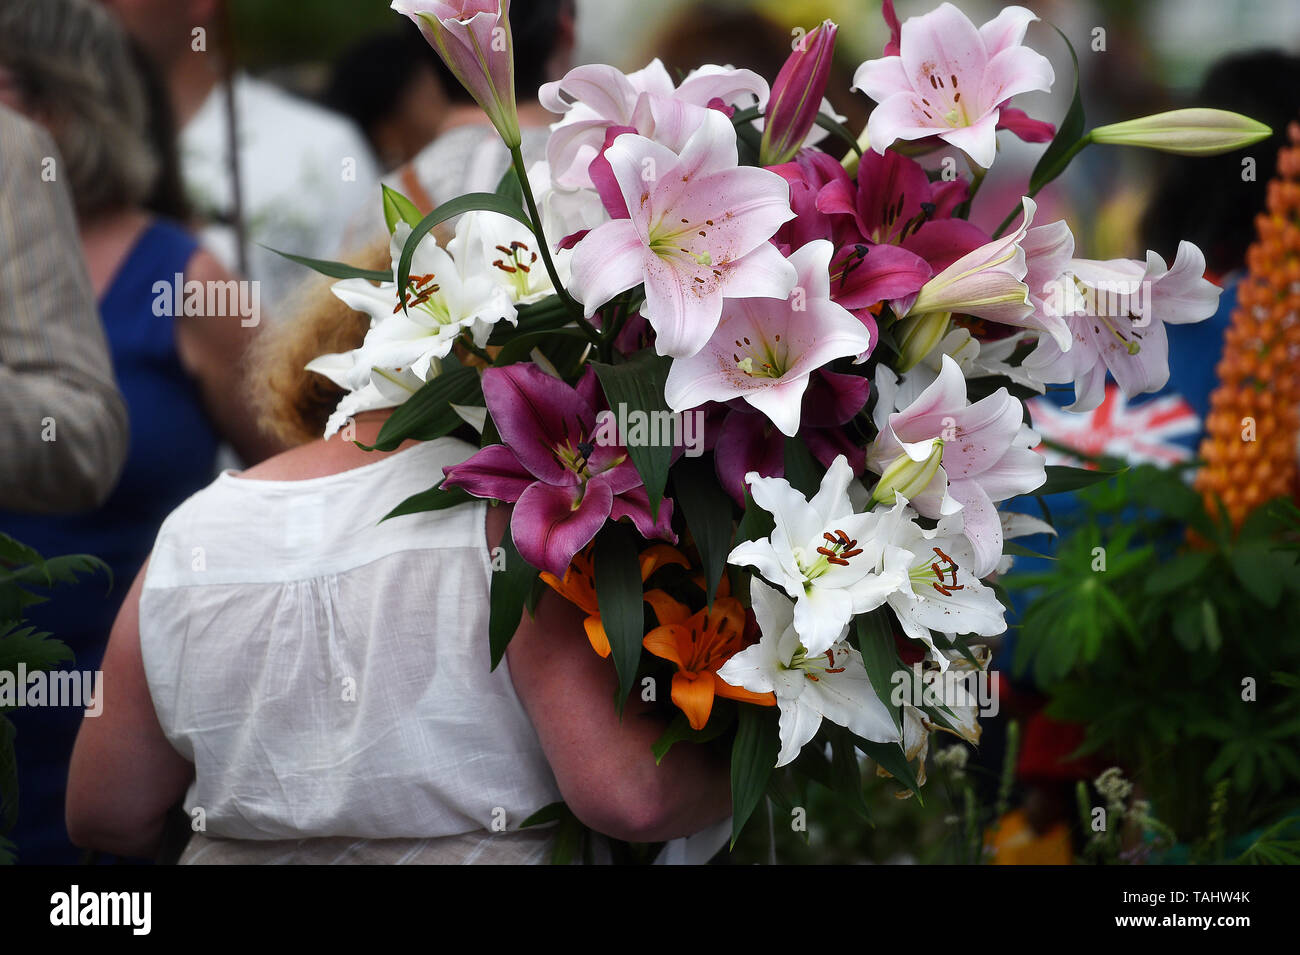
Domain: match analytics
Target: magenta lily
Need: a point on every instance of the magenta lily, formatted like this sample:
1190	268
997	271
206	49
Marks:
765	349
797	96
473	39
945	455
563	482
696	234
950	80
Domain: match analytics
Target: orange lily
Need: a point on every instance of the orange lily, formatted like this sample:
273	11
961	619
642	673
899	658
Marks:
579	586
699	644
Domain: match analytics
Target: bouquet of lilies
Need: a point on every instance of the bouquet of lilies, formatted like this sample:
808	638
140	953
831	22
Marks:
753	384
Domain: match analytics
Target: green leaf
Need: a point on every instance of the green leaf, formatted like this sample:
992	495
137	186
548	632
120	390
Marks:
398	208
891	759
437	498
545	315
801	468
753	757
509	188
473	202
1061	479
618	594
1019	550
1069	135
707	510
846	772
1178	572
832	125
679	730
428	414
520	346
510	588
1262	571
335	270
880	656
636	387
756	523
34	649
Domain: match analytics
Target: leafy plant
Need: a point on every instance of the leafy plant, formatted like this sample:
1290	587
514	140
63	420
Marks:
23	572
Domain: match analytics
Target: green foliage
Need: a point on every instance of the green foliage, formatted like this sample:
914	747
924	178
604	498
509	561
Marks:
23	572
1181	659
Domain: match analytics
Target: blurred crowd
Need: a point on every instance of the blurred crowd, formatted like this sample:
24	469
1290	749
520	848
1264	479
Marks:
149	181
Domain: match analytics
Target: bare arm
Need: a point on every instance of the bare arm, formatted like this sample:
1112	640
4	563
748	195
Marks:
604	767
125	775
63	426
212	350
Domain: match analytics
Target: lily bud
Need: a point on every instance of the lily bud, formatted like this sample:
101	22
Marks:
1189	132
919	335
907	476
473	38
797	96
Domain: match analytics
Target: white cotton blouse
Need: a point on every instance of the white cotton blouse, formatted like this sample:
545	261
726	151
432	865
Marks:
328	675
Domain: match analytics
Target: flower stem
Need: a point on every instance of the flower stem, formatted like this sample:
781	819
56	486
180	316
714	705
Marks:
1058	167
530	204
467	343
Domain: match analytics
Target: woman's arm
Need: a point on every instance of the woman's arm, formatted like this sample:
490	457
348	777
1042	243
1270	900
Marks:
211	349
604	767
125	776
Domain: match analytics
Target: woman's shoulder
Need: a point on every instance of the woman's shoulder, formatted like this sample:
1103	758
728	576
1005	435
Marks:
284	519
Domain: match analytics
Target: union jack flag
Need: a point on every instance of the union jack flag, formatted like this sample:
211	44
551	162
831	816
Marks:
1143	433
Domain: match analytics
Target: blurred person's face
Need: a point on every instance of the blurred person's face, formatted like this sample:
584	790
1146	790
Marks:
164	28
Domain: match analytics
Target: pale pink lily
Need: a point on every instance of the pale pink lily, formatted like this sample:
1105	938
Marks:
945	455
951	80
1116	314
473	38
832	561
987	282
809	687
697	234
765	349
596	97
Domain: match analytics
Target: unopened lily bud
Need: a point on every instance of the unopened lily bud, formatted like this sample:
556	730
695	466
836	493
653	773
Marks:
907	476
797	96
918	336
473	39
1189	132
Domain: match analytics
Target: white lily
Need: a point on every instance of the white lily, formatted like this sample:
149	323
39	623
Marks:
942	593
809	687
833	562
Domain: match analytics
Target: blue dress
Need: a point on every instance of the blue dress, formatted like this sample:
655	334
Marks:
172	454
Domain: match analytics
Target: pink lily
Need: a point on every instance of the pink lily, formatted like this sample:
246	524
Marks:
1116	313
765	349
473	39
950	80
595	97
564	483
945	455
697	234
797	96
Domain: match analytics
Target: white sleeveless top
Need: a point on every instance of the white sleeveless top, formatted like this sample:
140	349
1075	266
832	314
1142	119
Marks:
328	675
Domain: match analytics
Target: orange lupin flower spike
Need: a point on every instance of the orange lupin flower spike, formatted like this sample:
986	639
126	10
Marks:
1250	433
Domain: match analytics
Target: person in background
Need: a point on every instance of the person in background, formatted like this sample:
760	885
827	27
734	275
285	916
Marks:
63	428
303	170
68	66
393	86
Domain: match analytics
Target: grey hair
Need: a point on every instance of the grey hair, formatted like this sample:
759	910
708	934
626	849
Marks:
73	64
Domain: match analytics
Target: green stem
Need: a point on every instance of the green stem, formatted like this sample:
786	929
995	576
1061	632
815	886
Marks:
977	174
530	204
467	343
1057	168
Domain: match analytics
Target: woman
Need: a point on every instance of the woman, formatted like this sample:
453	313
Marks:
319	683
66	65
